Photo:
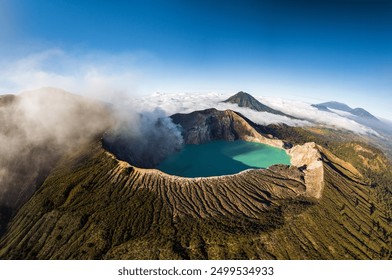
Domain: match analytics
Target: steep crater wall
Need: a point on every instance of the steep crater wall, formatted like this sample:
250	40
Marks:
203	126
166	136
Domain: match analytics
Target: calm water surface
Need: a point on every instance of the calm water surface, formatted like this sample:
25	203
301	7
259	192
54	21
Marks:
222	158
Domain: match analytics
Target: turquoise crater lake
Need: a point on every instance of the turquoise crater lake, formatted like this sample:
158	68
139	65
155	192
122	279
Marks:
222	158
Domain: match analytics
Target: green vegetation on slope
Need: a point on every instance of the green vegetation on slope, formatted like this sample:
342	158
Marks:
355	149
91	207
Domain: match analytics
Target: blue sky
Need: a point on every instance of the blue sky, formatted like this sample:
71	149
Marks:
308	50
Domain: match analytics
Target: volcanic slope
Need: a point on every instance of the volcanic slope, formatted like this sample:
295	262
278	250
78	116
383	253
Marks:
36	129
243	99
94	206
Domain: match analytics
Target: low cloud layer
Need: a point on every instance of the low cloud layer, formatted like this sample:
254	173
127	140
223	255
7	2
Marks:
39	127
186	103
306	111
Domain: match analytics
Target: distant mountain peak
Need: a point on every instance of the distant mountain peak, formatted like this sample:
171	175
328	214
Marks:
337	106
242	94
243	99
359	112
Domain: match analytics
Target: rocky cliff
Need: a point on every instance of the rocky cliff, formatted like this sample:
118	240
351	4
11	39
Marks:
210	124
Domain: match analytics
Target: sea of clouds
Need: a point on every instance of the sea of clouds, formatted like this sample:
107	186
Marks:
308	115
118	79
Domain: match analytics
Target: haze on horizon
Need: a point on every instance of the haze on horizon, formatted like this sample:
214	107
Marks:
306	50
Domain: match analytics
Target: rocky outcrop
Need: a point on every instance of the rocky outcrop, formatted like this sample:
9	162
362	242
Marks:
307	157
311	158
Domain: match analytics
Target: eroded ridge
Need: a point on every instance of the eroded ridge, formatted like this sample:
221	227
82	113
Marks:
248	193
94	206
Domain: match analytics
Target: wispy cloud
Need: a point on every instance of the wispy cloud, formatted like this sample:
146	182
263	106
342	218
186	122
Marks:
96	74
